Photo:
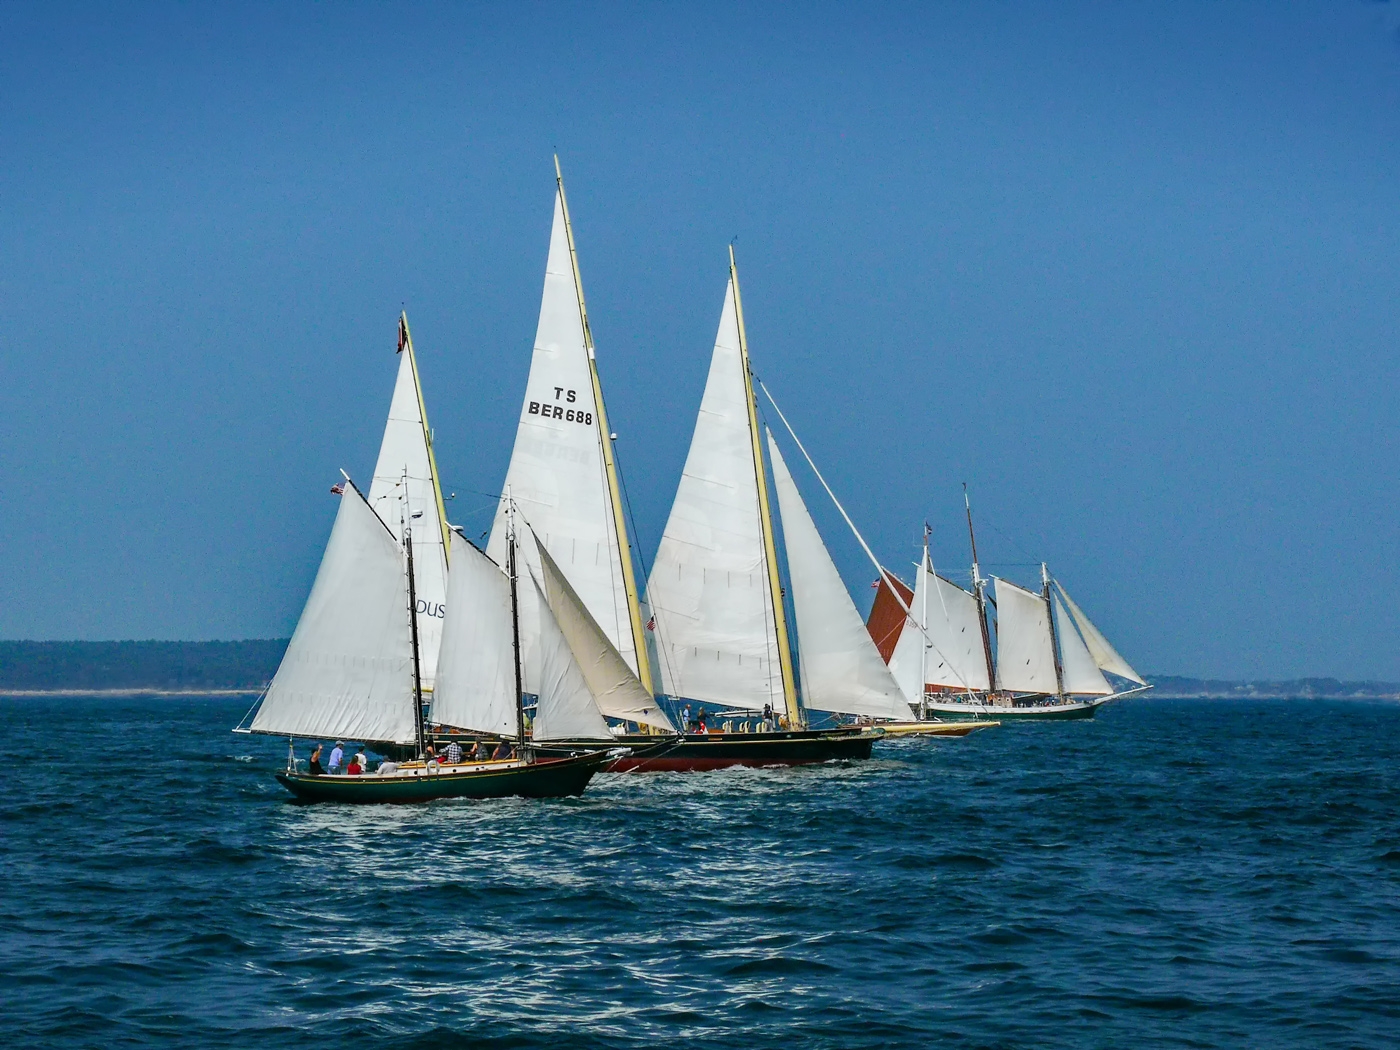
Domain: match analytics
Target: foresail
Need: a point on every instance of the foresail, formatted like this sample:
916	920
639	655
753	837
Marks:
1025	653
952	647
617	691
1081	675
405	448
557	476
908	660
715	634
348	670
566	708
841	669
476	670
1105	656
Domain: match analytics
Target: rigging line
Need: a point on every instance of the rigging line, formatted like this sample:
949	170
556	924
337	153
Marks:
884	573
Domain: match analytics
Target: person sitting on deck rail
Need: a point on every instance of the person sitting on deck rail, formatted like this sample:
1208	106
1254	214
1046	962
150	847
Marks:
453	753
503	751
314	765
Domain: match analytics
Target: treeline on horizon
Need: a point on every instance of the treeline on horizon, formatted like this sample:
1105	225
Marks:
249	665
174	666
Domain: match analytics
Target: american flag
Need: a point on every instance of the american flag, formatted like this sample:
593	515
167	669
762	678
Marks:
651	624
339	490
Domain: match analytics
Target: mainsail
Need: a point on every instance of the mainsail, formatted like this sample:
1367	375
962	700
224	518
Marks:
841	669
406	453
1081	674
1106	658
476	671
561	473
348	670
617	691
1025	651
716	634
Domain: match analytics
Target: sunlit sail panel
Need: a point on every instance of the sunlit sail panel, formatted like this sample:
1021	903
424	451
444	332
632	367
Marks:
1106	658
406	451
348	670
566	709
841	670
617	691
1025	652
557	475
716	637
476	673
1081	674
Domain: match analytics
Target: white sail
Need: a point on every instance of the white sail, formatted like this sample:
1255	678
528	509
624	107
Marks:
715	633
348	670
1025	653
616	689
952	651
476	671
1105	656
557	476
955	624
405	449
911	650
841	669
1081	675
566	709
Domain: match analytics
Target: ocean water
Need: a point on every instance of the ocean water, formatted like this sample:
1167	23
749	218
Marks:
1172	873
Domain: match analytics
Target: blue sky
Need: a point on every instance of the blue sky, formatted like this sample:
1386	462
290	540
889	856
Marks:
1129	270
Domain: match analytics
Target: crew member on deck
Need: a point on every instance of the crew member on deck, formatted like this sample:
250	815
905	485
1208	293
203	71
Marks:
337	757
453	753
314	766
503	751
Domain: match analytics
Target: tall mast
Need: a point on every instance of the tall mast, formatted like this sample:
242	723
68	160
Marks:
406	345
796	719
413	623
624	547
515	620
923	642
1054	635
979	587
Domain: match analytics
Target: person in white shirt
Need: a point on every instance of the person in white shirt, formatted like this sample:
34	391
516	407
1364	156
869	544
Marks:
337	757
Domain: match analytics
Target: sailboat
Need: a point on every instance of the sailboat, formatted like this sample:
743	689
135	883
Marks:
354	669
722	628
1050	659
563	476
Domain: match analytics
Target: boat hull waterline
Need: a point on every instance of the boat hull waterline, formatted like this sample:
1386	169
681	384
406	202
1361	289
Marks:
701	752
958	728
546	778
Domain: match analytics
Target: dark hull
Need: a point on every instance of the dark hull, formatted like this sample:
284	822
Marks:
547	778
696	752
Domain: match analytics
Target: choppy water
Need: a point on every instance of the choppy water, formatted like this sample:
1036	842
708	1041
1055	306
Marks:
1173	873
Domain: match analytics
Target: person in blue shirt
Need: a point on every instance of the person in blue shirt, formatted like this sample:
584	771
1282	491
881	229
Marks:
337	757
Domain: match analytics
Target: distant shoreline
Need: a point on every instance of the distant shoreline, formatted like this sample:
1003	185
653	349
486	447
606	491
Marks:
117	693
